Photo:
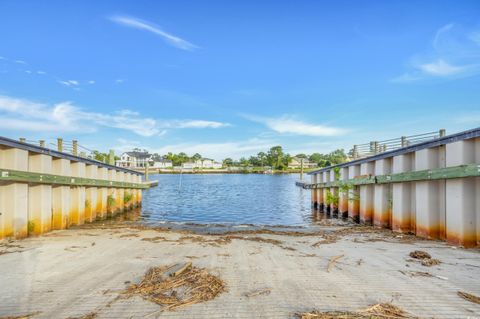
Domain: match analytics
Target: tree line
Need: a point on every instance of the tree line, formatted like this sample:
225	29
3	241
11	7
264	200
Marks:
275	158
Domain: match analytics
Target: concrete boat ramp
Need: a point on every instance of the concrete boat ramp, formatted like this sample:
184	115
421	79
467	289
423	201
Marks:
83	272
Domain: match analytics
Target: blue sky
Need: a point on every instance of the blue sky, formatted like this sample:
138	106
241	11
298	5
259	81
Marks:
231	78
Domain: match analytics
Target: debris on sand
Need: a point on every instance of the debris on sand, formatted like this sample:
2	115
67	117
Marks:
378	311
129	235
469	297
430	262
90	315
258	292
421	274
425	258
177	286
332	262
21	316
327	239
154	239
419	254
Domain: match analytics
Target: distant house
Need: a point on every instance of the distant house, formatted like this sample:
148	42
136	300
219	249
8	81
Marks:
163	163
188	165
134	159
204	163
296	162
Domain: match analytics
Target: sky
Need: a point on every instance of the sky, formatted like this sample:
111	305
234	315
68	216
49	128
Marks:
232	78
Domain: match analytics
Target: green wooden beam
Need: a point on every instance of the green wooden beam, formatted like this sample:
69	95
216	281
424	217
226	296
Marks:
9	175
470	170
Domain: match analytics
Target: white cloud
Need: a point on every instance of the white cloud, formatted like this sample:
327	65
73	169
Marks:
41	72
441	68
475	37
289	125
20	62
69	82
91	82
28	72
25	115
197	124
147	26
440	32
118	81
455	53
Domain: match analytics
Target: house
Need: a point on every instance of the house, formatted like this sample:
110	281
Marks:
296	162
163	163
188	165
134	159
206	163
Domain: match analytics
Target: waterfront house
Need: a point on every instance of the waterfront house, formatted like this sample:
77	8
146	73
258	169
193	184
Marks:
134	159
297	163
163	163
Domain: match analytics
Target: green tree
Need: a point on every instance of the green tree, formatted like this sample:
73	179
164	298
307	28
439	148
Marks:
228	162
275	157
196	157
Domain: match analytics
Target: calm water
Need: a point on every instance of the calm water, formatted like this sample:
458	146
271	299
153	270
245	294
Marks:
227	199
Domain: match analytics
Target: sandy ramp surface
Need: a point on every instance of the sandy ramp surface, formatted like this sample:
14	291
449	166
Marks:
74	273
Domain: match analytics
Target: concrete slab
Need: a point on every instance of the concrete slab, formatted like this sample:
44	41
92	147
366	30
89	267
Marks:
71	273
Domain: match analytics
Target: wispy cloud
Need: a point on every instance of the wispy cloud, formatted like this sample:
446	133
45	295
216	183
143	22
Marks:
150	27
25	115
119	81
20	62
455	53
441	68
289	125
69	82
195	124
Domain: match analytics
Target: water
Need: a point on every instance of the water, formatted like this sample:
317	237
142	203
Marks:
227	199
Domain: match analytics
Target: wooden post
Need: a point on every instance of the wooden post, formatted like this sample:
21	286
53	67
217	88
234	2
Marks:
355	151
42	143
60	144
404	141
75	147
301	169
146	172
442	132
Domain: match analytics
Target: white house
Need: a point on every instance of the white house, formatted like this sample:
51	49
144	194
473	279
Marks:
297	163
202	163
162	164
134	159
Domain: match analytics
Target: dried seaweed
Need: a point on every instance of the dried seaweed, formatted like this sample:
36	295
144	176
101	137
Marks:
419	254
469	297
332	262
430	262
258	292
378	311
193	285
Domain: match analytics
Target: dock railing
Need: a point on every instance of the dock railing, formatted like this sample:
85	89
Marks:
43	189
430	188
376	147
